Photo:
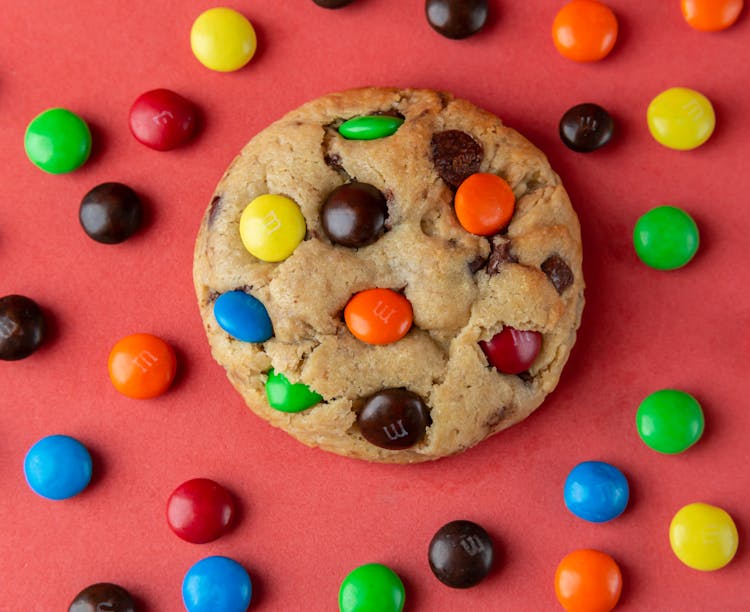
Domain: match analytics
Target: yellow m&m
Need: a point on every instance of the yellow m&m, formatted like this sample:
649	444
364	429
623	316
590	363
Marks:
223	39
271	227
681	118
703	537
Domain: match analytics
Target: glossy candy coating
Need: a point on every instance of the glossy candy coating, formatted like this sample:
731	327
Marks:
586	127
223	39
354	214
370	127
681	118
378	316
703	536
596	491
670	421
286	396
243	316
456	19
22	327
711	15
271	227
393	419
216	584
58	141
512	351
484	204
57	467
588	581
162	119
585	30
101	597
666	238
110	213
332	4
372	588
200	510
142	366
461	554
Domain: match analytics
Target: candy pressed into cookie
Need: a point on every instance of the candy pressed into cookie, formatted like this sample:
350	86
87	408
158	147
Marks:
389	274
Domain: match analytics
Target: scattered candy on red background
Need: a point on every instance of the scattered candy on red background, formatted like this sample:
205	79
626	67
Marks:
101	597
670	421
22	327
586	127
142	366
58	467
58	141
110	213
217	584
588	581
596	491
512	351
711	15
681	118
162	119
484	204
200	510
223	39
378	316
666	238
461	554
372	588
456	18
585	30
703	536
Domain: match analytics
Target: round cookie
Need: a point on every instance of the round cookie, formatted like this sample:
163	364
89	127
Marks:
432	392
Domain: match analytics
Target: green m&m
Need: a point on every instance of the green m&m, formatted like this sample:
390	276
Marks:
370	127
372	588
670	421
288	397
666	238
57	141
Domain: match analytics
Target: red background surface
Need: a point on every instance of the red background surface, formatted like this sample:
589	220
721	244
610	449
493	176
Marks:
308	517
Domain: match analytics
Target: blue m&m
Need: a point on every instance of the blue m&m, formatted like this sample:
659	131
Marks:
596	491
216	584
57	467
243	316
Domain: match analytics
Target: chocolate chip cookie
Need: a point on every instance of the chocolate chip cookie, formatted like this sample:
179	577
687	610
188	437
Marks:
389	274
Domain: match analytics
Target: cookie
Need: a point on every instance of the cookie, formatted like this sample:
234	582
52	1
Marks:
349	303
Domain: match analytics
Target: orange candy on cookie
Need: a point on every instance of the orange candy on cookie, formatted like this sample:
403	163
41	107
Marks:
142	366
484	204
378	316
585	30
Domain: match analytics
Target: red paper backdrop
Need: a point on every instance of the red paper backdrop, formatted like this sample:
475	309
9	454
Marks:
309	517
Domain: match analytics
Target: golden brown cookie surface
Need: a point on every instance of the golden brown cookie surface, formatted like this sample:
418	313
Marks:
462	288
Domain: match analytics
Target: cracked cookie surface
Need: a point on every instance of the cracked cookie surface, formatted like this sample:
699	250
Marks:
463	288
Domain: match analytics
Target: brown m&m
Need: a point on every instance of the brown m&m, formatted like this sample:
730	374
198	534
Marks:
394	419
461	554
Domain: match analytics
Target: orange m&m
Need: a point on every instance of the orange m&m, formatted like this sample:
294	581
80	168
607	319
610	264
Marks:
484	204
378	316
711	15
584	30
588	581
142	366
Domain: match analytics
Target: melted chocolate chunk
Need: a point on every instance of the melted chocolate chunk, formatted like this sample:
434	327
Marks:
214	208
22	327
103	596
558	272
476	264
394	419
499	255
461	554
456	156
334	161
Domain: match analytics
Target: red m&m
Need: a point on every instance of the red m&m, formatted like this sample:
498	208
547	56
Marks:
162	119
512	351
200	510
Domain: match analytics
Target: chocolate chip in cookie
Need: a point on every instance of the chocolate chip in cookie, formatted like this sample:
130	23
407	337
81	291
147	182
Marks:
456	156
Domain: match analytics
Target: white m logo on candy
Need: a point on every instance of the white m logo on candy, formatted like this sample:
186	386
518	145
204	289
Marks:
472	545
396	430
144	360
7	328
271	222
383	311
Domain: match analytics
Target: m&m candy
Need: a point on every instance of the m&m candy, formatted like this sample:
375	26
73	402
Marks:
711	15
378	316
243	316
200	510
596	491
588	581
110	213
461	554
223	39
681	118
586	127
58	467
286	396
162	119
58	141
666	238
271	227
670	421
585	30
372	588
103	596
512	351
456	19
703	537
216	584
142	366
370	127
22	327
484	204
